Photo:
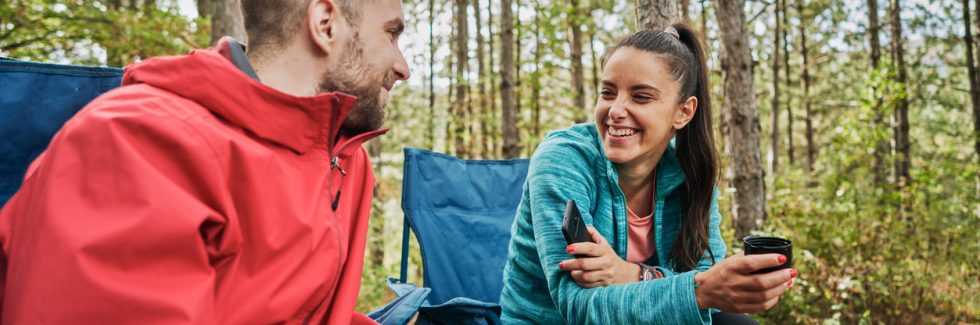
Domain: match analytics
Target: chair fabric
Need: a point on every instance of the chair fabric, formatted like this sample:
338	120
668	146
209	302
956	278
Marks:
36	99
461	212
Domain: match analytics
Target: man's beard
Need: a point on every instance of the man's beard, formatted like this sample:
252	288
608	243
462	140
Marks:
352	77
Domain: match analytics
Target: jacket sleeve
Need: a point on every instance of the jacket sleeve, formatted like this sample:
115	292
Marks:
118	223
558	173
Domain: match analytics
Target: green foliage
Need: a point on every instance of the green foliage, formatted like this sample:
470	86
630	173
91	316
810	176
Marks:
95	32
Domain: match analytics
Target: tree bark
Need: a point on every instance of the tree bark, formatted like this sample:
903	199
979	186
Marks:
430	132
459	103
495	141
656	14
881	147
227	21
578	71
774	103
811	150
789	100
901	118
481	83
974	75
509	107
536	76
749	205
685	5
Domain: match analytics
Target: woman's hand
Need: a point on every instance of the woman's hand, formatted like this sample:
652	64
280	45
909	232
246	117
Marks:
730	286
599	265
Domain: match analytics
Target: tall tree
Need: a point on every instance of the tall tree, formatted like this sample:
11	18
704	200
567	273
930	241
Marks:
656	14
685	5
774	103
790	152
226	20
536	75
811	150
484	124
511	139
974	76
459	103
901	118
575	17
881	146
495	125
749	203
430	130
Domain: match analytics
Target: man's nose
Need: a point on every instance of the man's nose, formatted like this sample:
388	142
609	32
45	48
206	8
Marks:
401	67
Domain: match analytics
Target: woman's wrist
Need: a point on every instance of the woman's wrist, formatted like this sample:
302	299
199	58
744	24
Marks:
700	292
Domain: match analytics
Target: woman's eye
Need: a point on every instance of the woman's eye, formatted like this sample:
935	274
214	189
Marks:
642	98
605	93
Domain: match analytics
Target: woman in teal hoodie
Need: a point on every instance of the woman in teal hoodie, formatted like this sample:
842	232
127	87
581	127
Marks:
657	256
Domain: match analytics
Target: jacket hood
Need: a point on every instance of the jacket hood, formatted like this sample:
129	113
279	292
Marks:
209	78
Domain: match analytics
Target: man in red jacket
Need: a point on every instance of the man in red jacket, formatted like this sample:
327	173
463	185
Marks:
220	187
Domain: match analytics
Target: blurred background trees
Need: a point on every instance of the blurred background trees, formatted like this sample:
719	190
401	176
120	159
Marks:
868	159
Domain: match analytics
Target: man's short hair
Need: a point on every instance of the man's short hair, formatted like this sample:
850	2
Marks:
276	22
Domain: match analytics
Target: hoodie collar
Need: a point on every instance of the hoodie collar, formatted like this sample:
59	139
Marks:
209	78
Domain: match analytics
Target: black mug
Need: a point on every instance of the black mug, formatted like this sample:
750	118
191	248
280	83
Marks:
769	245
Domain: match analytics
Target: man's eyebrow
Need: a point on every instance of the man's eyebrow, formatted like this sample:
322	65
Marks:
396	25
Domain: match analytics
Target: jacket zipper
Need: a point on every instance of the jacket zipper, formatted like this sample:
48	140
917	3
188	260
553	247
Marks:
335	163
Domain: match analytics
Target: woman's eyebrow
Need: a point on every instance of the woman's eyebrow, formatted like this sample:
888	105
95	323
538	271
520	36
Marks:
655	90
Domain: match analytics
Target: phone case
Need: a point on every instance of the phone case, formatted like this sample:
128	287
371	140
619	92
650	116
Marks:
572	226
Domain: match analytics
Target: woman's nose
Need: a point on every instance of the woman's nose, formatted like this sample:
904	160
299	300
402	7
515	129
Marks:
618	110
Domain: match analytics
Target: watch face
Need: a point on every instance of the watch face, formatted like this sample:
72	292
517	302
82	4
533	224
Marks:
647	274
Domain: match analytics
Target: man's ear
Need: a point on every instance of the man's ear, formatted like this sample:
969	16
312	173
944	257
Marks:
685	112
323	23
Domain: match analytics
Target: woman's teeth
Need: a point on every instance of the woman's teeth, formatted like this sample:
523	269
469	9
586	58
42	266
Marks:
621	132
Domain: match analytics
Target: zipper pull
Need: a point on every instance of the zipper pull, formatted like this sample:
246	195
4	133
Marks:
335	163
336	200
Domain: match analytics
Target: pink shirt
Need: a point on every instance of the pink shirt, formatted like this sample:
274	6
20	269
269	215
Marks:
641	239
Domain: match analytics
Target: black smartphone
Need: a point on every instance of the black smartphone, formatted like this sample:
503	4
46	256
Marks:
572	226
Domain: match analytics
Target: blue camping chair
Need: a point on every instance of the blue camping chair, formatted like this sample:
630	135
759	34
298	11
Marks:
35	101
461	212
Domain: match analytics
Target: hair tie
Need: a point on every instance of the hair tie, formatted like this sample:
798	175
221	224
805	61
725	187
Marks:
672	31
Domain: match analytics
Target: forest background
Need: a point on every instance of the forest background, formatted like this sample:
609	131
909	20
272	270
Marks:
850	126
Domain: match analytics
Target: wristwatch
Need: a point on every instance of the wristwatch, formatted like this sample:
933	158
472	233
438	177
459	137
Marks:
648	272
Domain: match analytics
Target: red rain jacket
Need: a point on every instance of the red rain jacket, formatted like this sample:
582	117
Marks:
193	194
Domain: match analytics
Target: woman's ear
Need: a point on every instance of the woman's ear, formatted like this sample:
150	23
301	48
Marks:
322	23
685	112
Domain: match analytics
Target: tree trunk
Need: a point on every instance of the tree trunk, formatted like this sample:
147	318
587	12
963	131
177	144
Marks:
536	76
656	14
227	21
901	119
704	20
459	103
789	100
509	107
974	76
481	83
578	71
774	103
495	122
685	5
430	132
811	150
749	205
879	169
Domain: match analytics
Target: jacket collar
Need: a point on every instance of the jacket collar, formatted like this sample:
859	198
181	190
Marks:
209	78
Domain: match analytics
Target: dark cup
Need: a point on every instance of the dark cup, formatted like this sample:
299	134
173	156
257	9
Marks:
769	245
